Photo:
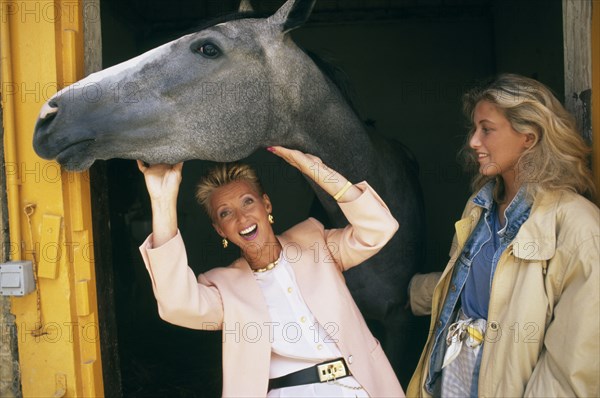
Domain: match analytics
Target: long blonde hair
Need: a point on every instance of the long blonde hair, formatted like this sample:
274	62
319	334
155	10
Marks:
223	174
558	160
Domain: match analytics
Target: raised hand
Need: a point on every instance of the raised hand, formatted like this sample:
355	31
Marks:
162	182
330	180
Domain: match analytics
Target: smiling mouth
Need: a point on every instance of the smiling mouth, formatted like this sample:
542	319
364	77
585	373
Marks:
250	232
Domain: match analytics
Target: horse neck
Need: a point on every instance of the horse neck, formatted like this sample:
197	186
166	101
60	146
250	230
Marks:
319	120
339	138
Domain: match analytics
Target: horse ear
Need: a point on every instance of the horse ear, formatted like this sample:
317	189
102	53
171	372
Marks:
293	14
245	6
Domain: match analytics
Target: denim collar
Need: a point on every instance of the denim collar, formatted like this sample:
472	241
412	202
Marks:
515	214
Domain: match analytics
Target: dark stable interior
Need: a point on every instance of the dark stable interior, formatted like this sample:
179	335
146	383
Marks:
408	62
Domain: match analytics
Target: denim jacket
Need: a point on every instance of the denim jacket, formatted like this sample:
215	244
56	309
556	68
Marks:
516	214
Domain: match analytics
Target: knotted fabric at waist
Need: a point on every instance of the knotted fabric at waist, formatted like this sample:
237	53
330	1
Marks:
465	331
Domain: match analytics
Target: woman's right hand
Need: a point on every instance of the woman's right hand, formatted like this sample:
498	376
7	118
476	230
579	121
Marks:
162	180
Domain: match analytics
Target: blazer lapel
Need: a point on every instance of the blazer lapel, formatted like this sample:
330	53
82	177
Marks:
246	287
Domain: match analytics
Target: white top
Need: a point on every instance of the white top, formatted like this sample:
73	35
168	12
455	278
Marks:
298	341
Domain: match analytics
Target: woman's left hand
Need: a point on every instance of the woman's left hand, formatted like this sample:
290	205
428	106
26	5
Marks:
307	164
330	180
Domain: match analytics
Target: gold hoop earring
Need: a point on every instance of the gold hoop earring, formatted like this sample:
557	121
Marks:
271	220
225	243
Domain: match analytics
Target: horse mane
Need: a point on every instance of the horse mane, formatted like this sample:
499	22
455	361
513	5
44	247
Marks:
227	17
337	75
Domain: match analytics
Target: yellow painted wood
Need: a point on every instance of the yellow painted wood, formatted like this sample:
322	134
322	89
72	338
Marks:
59	345
8	90
82	288
50	250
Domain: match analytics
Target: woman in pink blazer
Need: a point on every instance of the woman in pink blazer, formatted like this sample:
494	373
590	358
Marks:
290	326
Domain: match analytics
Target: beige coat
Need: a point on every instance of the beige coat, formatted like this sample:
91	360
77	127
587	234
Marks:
229	299
544	317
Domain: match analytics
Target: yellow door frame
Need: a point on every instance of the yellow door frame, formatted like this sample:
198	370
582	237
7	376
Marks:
41	44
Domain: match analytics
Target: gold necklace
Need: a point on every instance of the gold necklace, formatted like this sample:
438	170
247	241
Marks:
268	267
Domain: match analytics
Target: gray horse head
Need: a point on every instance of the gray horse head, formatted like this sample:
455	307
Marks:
216	94
219	94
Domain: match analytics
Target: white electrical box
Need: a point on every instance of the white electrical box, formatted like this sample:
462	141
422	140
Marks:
16	278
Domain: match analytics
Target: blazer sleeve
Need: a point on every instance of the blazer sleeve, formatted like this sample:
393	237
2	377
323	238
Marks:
182	298
371	226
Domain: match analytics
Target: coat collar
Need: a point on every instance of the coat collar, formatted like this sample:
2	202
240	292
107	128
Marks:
515	214
536	239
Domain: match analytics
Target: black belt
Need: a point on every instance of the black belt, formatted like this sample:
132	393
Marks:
319	373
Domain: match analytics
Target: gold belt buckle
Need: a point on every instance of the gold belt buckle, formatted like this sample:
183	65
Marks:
331	371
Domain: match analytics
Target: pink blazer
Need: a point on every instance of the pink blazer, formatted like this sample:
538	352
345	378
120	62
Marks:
229	299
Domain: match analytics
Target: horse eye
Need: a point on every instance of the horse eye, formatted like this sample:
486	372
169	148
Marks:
209	50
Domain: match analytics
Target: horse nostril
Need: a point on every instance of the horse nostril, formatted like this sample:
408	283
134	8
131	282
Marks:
49	110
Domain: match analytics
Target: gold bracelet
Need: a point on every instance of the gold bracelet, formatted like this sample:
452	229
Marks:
342	191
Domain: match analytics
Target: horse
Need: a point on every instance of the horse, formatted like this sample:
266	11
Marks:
222	92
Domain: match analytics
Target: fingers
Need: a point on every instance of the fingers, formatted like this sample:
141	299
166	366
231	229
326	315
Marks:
293	157
278	151
289	155
304	162
141	166
284	153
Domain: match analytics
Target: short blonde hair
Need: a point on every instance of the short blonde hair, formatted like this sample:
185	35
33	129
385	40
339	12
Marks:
558	160
223	174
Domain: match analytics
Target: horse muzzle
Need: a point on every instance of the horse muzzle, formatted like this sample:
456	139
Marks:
50	141
42	131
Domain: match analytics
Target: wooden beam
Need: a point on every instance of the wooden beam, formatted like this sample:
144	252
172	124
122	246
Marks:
596	94
92	37
10	380
111	369
577	29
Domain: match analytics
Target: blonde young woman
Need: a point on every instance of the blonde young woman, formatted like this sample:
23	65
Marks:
290	326
516	311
